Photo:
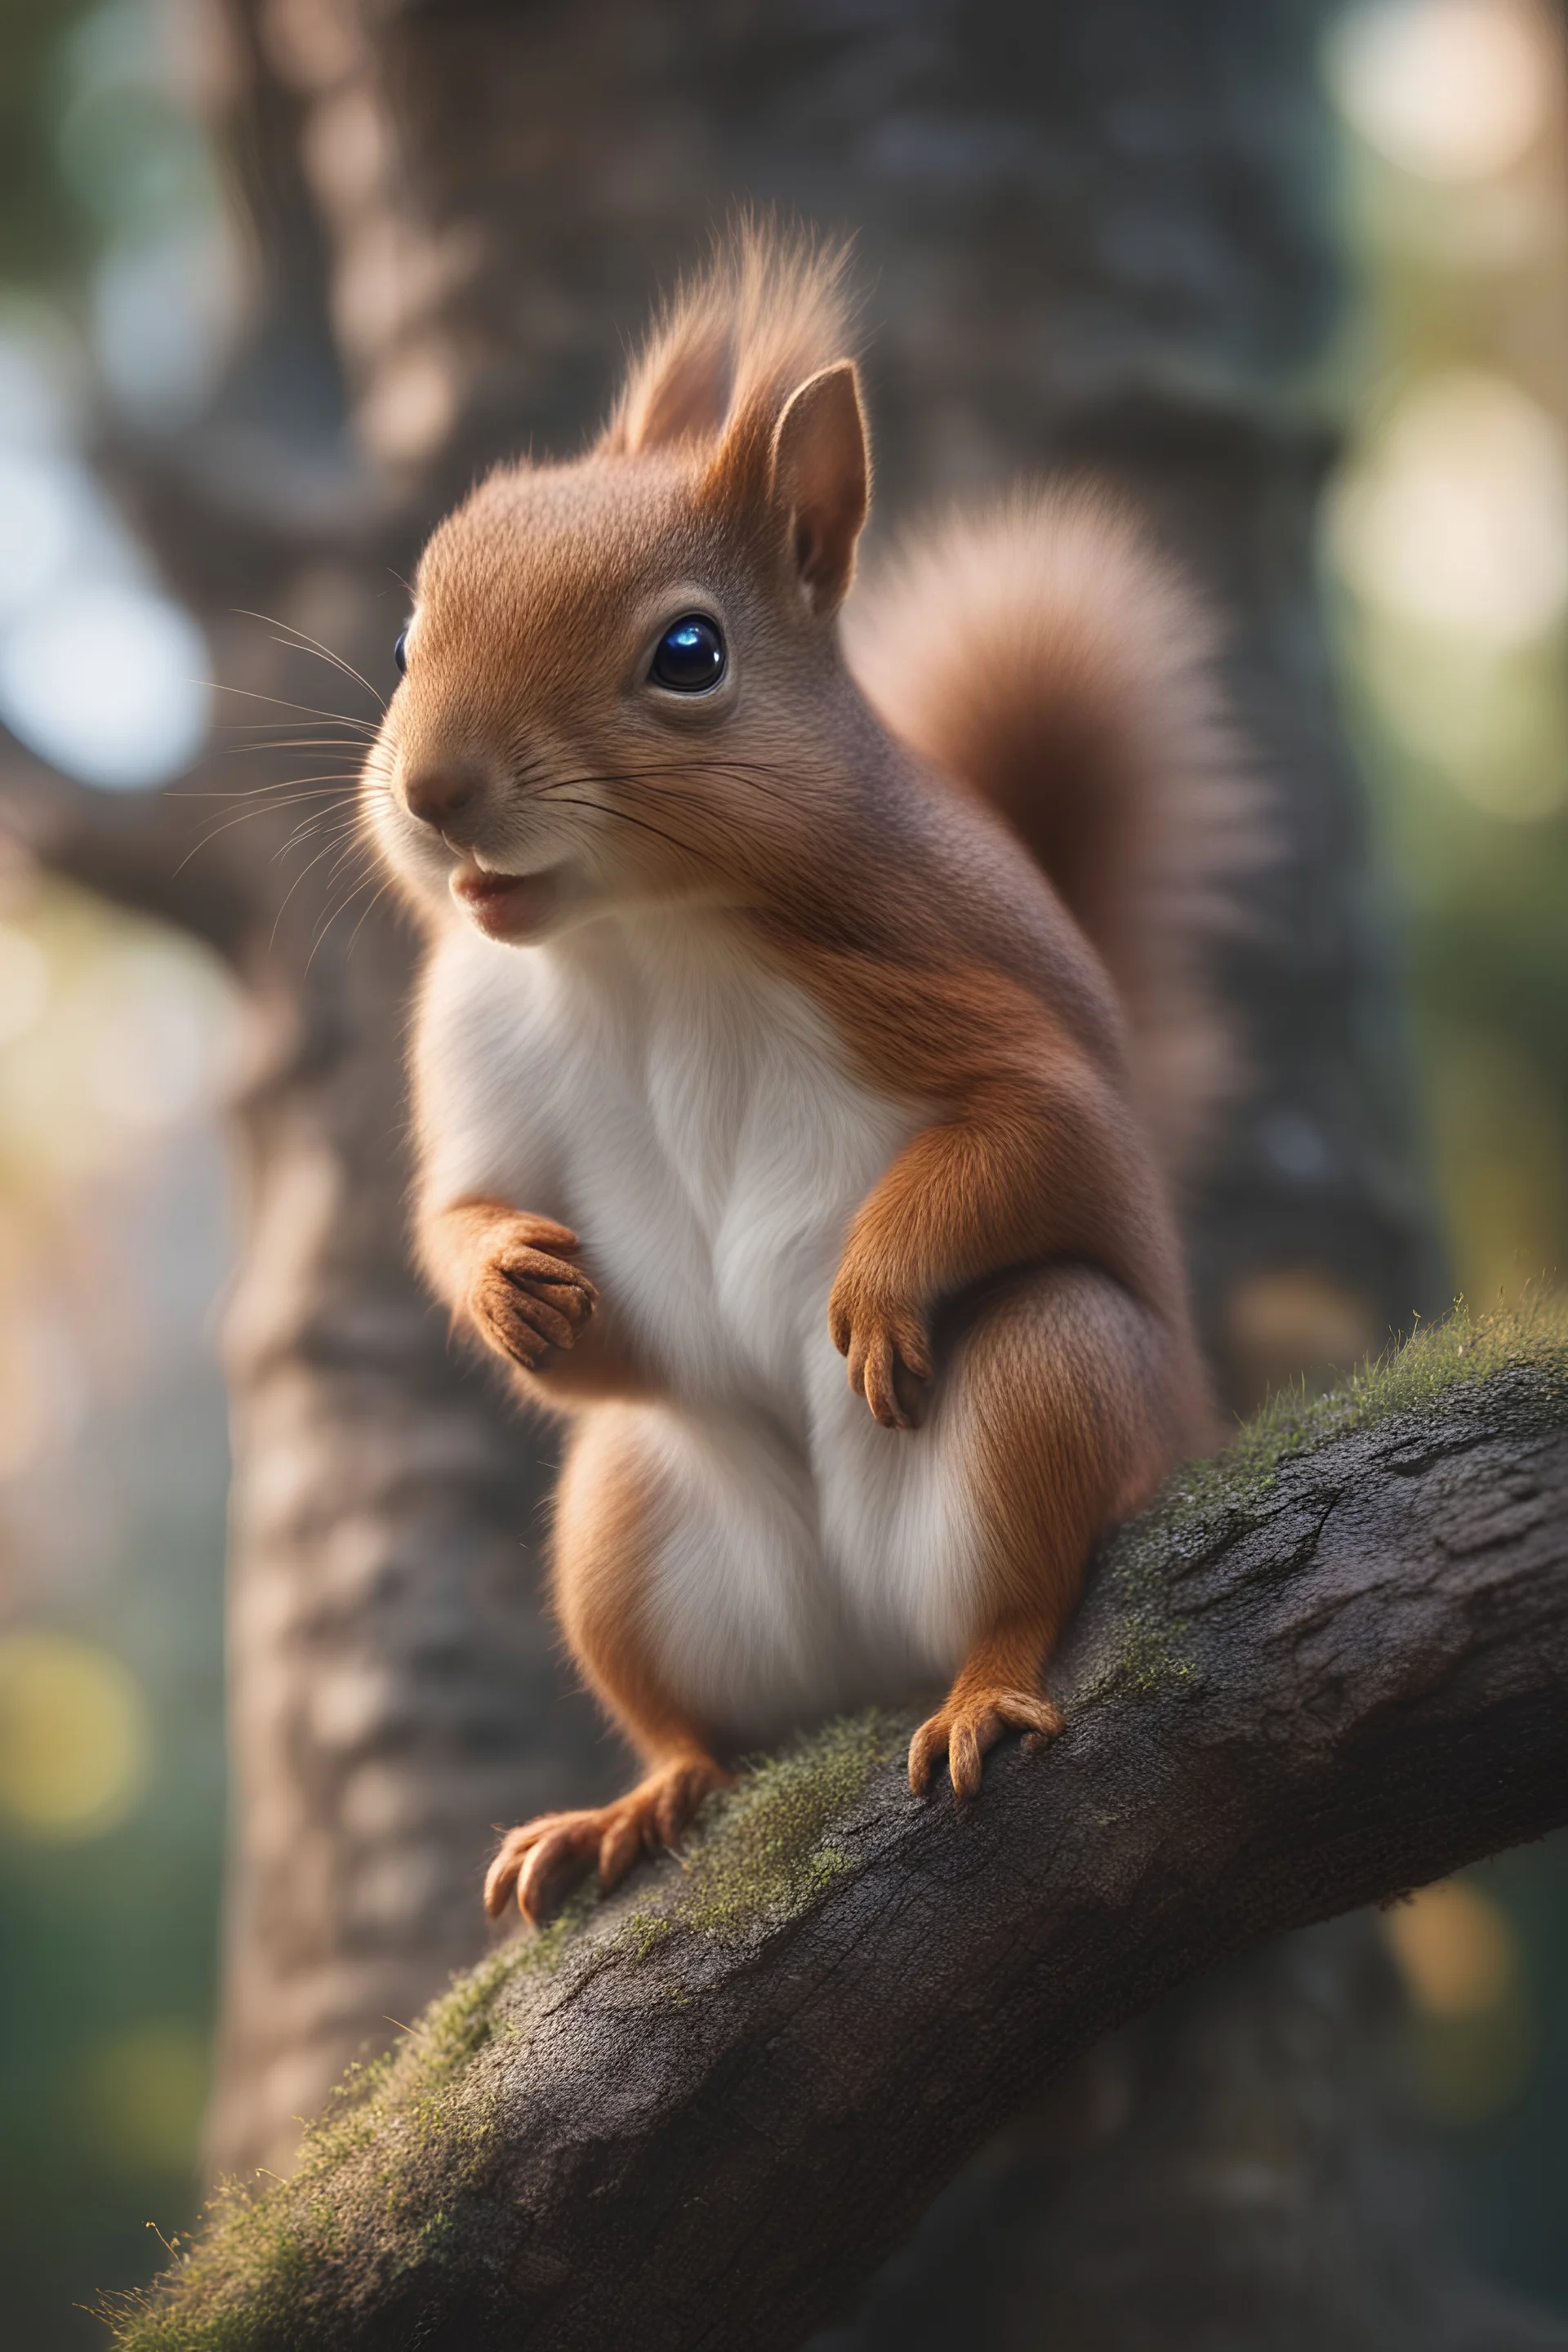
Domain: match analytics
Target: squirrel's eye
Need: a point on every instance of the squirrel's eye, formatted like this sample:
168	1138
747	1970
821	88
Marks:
689	656
400	651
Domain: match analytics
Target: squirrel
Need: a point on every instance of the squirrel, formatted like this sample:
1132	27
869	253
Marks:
801	992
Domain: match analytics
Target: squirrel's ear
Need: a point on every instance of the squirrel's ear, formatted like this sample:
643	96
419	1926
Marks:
820	477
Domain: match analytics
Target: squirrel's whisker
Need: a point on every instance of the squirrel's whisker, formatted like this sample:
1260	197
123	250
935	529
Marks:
366	912
212	827
289	743
342	904
625	816
329	781
300	640
309	828
281	702
308	867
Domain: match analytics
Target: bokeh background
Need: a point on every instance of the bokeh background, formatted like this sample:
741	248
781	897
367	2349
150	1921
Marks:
1445	570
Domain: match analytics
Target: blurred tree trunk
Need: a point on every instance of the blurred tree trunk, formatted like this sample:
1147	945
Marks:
1096	235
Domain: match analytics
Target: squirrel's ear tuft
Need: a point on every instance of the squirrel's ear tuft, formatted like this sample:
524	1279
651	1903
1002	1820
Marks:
679	391
820	476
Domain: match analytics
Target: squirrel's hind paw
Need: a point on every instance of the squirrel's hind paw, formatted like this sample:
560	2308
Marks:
966	1730
544	1859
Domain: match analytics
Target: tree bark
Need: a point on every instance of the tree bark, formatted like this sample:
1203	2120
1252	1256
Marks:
1311	1682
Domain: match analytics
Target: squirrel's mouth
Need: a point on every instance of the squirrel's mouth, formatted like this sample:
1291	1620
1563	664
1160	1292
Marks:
507	906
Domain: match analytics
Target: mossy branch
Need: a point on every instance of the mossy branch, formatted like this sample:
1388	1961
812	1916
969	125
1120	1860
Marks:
1328	1667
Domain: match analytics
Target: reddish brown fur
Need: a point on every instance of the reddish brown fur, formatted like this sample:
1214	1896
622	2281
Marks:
1023	1246
604	1507
1093	726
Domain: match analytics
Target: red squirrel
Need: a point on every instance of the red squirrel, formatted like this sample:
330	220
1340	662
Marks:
811	1016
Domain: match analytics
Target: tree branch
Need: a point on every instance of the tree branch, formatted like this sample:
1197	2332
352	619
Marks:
1330	1667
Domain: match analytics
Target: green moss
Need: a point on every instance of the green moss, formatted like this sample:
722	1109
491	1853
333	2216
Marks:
760	1854
385	2178
1151	1657
1461	1351
767	1856
1204	1499
642	1932
401	2142
393	2180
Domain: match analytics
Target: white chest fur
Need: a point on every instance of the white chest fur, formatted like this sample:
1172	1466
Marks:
684	1109
690	1113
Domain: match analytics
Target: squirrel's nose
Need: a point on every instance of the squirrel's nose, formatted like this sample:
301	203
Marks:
443	796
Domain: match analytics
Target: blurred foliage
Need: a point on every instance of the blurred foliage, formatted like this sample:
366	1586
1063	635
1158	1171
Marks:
111	1474
1447	564
1445	549
112	1037
43	237
1485	1959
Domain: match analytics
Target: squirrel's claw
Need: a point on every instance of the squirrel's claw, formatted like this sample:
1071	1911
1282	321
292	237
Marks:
526	1301
541	1860
964	1735
888	1354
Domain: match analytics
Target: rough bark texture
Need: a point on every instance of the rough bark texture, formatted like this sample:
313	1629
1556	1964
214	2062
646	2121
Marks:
1085	235
1331	1671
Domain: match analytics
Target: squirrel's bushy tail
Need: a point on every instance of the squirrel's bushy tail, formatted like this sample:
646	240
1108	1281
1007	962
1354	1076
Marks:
1045	656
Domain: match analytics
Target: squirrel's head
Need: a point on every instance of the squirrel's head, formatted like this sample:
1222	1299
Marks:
620	674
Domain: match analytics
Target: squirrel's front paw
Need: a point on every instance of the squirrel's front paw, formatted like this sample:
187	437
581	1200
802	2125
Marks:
888	1350
525	1298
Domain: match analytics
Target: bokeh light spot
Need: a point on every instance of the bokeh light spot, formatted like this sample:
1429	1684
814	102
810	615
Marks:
1502	1143
1456	1949
40	512
75	1739
1474	2029
1447	90
1288	1323
157	1047
105	683
143	2092
1458	516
